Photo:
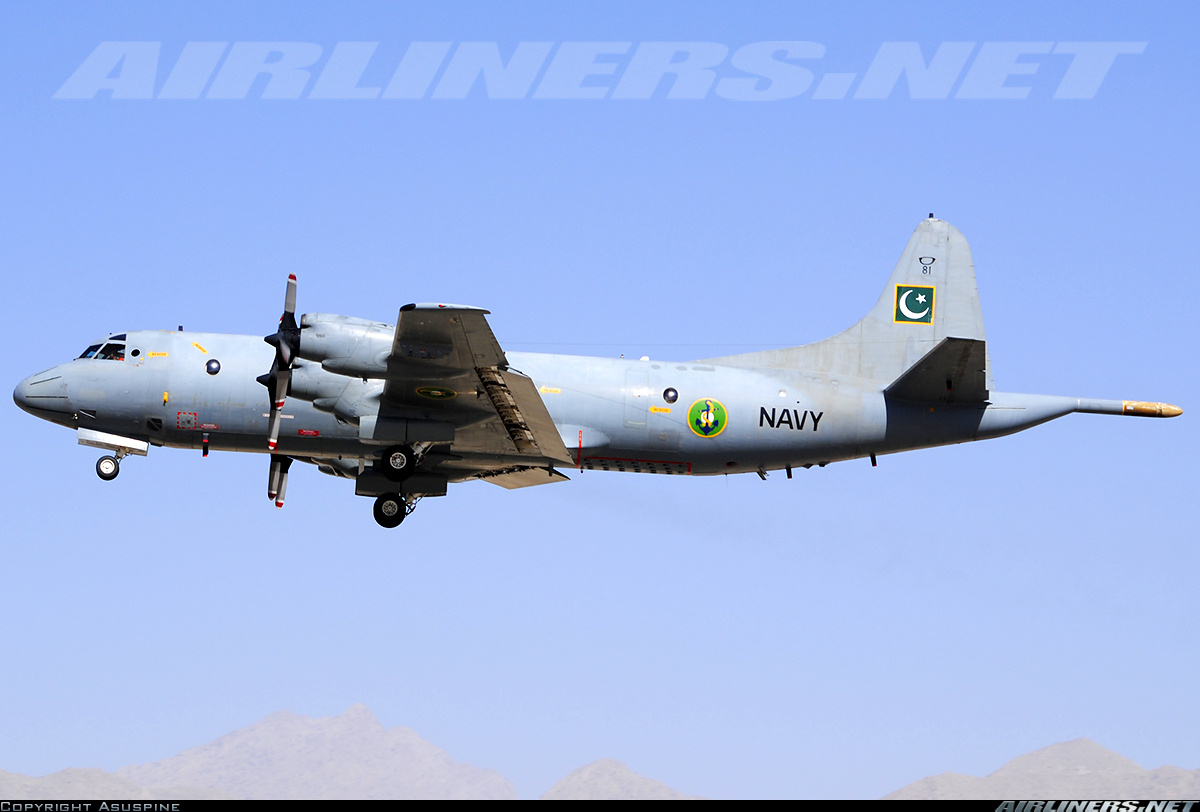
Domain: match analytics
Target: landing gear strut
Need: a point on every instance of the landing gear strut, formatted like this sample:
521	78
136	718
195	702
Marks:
391	508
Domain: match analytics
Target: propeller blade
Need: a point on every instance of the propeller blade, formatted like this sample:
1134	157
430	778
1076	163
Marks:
273	479
283	379
273	435
283	476
277	481
289	299
287	337
284	465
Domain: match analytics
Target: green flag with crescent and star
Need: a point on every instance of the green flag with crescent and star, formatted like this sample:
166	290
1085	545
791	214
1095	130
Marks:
914	304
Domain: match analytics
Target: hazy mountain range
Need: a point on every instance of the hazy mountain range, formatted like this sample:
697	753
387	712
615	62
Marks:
287	757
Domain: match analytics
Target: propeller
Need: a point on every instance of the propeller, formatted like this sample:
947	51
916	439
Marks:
286	341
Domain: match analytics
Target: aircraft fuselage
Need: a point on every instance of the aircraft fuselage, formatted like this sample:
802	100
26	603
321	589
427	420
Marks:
613	414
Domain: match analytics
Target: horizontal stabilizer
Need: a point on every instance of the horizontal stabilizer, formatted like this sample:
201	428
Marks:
955	371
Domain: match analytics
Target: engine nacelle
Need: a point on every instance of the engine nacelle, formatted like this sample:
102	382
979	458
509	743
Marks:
311	383
345	345
347	398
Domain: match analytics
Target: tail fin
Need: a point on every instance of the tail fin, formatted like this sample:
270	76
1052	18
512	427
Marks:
931	296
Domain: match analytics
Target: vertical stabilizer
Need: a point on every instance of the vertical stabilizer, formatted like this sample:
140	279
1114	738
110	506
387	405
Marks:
930	296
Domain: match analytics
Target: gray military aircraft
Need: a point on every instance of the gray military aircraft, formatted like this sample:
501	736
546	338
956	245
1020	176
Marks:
403	410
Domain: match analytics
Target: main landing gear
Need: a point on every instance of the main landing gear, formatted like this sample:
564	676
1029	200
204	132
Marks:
398	463
391	508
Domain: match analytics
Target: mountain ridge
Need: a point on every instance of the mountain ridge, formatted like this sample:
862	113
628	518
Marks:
1069	770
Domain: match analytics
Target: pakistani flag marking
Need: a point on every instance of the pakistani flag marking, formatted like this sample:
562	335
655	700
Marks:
914	304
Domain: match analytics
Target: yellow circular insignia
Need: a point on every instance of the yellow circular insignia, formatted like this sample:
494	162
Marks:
436	393
707	418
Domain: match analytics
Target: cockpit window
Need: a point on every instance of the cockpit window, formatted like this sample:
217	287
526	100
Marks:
112	352
108	351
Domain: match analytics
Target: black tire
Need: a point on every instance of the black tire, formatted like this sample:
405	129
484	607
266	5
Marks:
398	463
107	468
389	510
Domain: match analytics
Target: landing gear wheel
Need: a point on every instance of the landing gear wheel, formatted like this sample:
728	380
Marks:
398	462
390	510
107	468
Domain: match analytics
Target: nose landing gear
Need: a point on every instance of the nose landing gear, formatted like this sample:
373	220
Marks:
107	468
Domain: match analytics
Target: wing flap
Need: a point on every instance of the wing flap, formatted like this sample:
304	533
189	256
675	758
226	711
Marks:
523	413
523	477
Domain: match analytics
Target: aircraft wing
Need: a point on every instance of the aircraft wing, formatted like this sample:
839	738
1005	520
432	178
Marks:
446	367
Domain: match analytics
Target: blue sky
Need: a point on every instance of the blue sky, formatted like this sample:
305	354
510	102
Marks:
838	635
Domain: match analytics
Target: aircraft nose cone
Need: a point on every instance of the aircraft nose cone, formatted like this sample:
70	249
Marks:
43	392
